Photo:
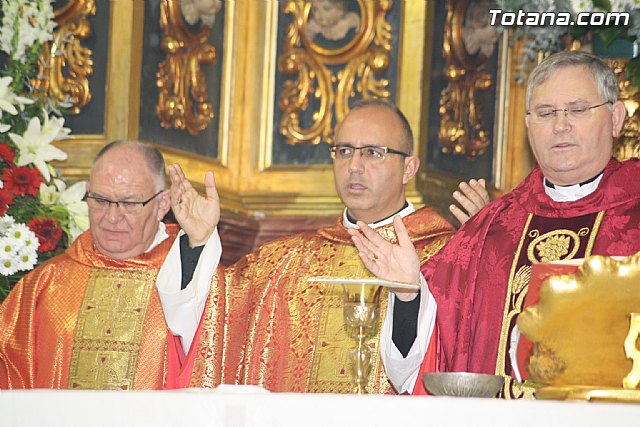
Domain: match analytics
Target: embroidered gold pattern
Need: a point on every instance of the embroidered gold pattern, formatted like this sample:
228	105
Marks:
292	335
331	369
555	245
109	329
551	246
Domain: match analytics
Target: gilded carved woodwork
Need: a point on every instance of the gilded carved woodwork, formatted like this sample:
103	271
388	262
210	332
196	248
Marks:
628	144
330	62
468	44
183	98
66	65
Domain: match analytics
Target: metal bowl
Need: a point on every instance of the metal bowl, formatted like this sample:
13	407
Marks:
464	384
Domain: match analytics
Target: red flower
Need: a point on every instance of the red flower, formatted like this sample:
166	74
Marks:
7	155
6	199
48	232
22	180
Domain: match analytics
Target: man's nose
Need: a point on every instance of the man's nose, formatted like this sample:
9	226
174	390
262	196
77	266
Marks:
114	212
356	162
561	122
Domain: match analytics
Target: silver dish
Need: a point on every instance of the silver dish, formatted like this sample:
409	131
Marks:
463	384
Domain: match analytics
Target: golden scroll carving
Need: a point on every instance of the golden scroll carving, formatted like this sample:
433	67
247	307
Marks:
628	144
332	60
66	65
182	97
468	42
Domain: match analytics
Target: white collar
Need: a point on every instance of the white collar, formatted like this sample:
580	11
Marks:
161	235
407	210
571	193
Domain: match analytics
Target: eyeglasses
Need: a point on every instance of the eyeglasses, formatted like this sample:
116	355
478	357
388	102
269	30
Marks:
547	114
100	203
368	152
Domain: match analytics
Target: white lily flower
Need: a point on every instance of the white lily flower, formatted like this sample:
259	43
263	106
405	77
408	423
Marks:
35	145
77	226
49	194
9	100
55	126
71	199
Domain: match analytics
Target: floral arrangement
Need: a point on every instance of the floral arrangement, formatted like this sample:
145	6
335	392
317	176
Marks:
39	215
551	38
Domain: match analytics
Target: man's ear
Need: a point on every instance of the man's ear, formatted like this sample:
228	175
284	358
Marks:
164	204
618	113
411	165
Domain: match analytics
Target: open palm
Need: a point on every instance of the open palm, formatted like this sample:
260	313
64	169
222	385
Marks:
198	216
395	262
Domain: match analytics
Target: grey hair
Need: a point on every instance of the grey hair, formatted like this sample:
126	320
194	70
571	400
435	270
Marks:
407	140
151	155
602	74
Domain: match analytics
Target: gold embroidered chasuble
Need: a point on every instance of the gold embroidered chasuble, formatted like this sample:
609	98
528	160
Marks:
84	321
265	324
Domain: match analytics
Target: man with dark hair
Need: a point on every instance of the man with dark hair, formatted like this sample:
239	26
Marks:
90	318
264	323
579	202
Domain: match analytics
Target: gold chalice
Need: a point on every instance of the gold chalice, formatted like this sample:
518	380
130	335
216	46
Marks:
361	312
361	315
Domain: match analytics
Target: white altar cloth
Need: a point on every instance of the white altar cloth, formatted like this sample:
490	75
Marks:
193	408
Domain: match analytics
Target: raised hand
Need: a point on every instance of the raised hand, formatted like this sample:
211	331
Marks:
473	196
198	216
395	262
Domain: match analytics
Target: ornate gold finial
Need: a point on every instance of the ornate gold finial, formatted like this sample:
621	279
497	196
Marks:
182	98
628	144
335	55
468	42
66	65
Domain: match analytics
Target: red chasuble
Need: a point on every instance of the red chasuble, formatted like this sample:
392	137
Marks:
481	278
266	325
85	321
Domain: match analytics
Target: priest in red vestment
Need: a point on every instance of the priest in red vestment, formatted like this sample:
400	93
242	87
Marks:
578	202
264	323
91	318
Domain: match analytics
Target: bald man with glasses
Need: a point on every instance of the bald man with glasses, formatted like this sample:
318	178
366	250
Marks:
579	201
264	323
90	318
